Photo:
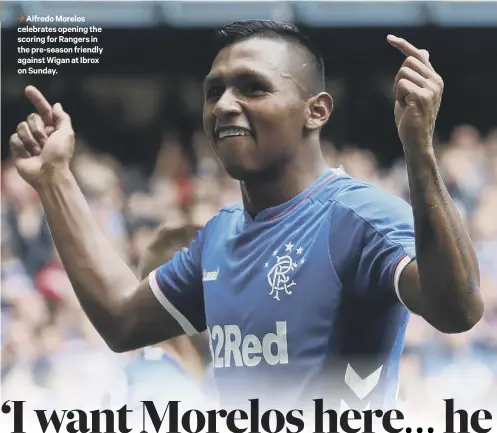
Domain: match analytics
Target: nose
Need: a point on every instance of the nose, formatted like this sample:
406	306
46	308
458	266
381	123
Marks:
227	105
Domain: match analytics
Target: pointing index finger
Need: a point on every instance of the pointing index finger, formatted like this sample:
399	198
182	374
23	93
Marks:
41	104
408	49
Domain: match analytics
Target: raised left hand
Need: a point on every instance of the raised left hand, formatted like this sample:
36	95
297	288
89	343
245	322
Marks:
418	93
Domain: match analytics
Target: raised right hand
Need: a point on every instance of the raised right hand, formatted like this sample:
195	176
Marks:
44	142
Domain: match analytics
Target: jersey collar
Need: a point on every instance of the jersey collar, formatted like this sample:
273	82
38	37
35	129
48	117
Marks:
275	212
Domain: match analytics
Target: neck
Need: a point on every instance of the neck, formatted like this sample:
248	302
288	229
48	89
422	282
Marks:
294	178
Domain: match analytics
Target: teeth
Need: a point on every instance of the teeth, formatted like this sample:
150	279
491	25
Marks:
233	132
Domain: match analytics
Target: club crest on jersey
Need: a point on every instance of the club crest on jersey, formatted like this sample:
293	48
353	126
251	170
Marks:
279	276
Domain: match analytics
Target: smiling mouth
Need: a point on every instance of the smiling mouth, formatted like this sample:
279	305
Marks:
232	132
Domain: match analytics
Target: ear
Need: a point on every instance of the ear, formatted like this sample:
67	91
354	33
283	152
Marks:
319	109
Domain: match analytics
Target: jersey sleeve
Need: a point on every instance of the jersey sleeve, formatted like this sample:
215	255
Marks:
177	285
372	239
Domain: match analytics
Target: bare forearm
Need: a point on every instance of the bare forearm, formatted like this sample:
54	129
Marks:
99	276
447	263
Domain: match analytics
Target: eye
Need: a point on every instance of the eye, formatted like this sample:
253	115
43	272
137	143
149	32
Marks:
254	89
214	93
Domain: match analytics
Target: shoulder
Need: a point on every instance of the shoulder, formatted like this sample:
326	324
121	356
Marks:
224	218
362	201
230	212
233	210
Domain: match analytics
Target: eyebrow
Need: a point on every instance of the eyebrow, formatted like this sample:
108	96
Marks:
240	76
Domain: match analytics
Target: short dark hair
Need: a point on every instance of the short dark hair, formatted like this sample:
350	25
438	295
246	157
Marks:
242	30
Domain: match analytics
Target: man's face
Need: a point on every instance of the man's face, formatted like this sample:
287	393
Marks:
254	111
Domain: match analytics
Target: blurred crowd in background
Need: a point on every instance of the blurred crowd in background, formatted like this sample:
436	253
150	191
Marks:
49	348
143	161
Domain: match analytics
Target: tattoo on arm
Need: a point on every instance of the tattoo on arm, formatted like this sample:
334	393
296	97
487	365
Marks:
435	215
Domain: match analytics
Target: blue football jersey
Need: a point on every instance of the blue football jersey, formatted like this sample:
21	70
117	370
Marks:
301	301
